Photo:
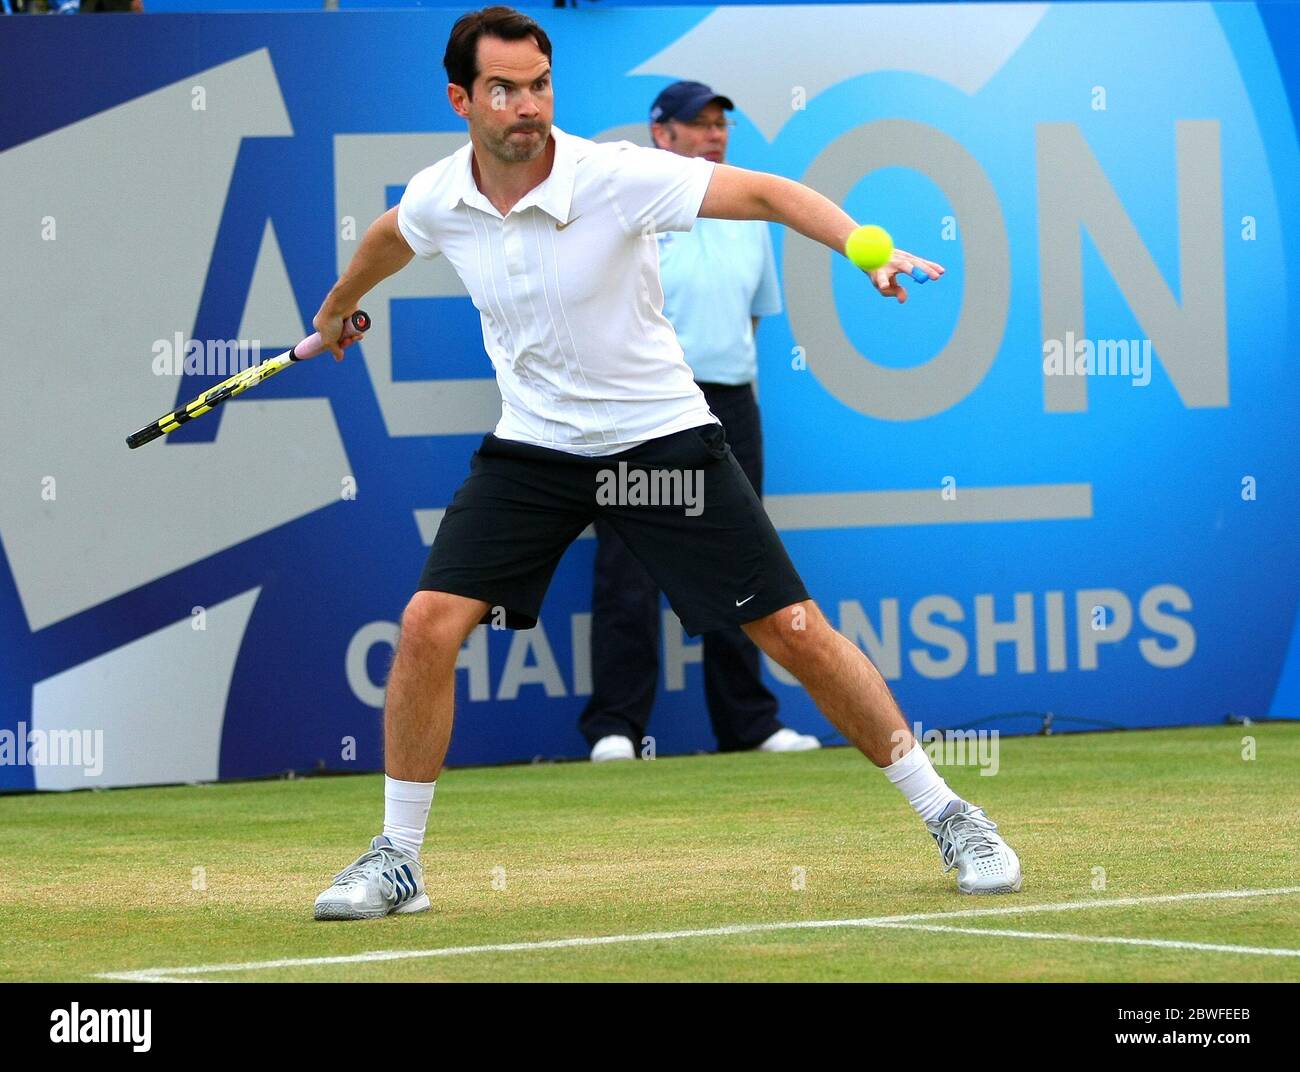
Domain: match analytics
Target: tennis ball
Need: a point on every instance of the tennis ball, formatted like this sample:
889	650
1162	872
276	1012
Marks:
869	247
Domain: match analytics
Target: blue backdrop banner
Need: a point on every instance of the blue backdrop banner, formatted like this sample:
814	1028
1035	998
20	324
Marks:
1058	481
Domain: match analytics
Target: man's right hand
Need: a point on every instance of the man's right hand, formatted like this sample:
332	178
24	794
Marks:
331	330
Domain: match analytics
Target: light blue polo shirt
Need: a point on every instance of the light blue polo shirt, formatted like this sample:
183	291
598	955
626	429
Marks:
715	277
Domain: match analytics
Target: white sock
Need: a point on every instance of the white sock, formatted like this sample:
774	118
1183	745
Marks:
406	813
916	779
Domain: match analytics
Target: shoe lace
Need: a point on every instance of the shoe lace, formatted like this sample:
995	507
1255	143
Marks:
363	865
966	830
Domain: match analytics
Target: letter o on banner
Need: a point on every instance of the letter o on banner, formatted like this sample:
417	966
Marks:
952	374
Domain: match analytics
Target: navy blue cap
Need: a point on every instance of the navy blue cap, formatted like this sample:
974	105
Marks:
685	100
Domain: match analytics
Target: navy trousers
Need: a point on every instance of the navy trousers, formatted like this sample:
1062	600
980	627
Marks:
625	624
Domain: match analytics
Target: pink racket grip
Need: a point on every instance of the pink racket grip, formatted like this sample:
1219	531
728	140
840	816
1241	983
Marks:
358	323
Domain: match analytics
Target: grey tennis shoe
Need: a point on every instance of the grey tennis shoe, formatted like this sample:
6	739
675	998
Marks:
968	840
383	880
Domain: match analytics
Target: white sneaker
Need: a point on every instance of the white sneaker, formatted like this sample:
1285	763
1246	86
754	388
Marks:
786	740
614	746
968	840
381	881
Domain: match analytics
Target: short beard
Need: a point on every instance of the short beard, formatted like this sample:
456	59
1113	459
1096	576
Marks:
512	152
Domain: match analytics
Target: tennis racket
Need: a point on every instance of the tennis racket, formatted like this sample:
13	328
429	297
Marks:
237	384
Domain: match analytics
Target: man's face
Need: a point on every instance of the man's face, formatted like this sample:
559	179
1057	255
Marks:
512	106
705	135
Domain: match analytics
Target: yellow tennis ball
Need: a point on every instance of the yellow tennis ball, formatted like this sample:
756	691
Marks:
869	247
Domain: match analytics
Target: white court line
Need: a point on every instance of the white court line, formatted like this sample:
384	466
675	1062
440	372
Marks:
165	975
1116	902
1160	943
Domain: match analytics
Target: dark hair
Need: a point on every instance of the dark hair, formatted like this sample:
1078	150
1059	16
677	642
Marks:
461	57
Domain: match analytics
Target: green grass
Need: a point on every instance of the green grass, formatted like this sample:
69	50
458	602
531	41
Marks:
103	881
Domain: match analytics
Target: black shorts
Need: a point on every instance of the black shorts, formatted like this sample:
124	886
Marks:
681	503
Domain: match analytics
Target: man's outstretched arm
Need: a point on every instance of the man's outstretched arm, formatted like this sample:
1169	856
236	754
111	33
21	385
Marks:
739	194
382	253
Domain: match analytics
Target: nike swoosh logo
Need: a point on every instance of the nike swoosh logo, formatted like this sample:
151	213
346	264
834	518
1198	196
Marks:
562	226
742	602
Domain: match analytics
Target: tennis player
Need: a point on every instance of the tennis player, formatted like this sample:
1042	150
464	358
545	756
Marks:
553	236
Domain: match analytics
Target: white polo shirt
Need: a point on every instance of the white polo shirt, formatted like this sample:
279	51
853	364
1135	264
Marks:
567	289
